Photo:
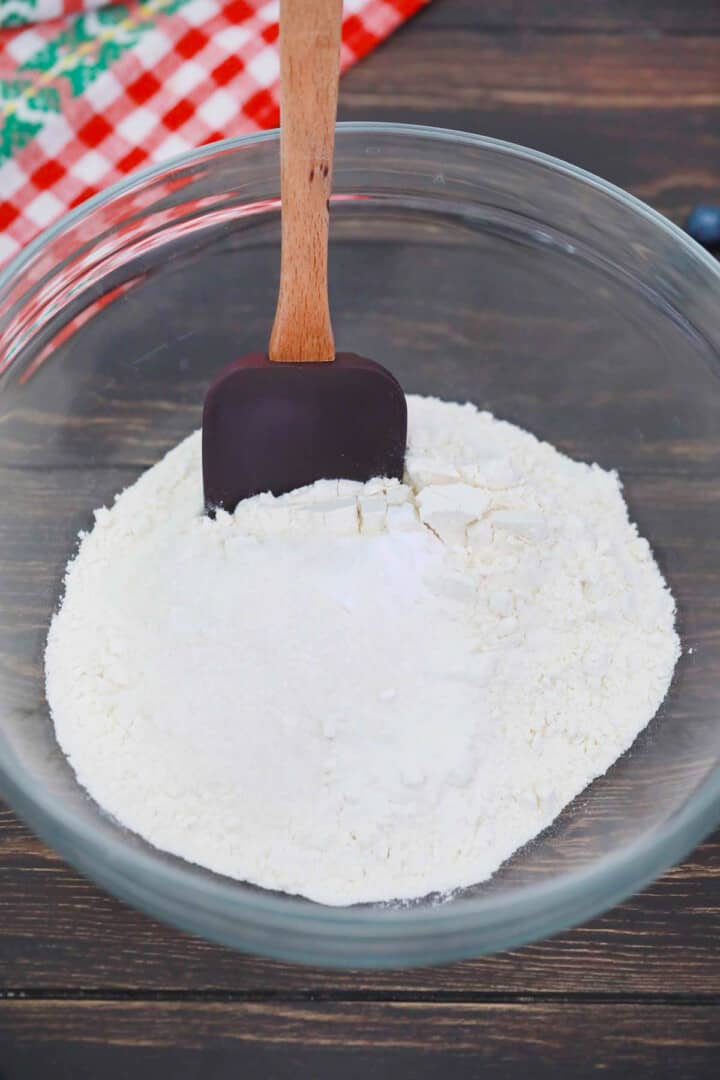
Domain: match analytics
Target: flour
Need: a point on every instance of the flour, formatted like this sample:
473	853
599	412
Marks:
361	692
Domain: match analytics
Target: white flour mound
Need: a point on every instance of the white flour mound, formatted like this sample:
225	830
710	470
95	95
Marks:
361	692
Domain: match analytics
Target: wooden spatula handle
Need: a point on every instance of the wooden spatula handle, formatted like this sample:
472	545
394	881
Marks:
309	71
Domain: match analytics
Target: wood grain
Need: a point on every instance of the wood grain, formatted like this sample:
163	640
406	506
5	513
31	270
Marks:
577	96
644	17
589	72
58	931
88	1039
309	72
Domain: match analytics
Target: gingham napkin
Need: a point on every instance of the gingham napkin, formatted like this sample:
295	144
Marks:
89	92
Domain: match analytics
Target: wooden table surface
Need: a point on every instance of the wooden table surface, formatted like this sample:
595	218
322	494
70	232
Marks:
629	89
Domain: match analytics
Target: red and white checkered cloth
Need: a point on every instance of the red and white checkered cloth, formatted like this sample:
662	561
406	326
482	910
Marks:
91	96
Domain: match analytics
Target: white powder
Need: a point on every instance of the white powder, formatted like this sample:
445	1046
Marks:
361	692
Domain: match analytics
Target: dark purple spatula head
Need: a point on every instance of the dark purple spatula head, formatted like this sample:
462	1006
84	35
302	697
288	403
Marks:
275	427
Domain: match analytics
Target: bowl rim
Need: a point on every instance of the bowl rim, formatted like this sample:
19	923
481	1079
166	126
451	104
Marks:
546	906
359	127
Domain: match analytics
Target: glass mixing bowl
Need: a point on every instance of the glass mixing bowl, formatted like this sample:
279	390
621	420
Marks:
473	269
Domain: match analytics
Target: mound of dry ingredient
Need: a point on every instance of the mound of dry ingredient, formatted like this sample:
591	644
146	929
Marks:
361	692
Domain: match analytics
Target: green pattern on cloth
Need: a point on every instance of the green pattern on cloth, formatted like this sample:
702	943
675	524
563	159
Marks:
26	109
84	48
17	13
88	47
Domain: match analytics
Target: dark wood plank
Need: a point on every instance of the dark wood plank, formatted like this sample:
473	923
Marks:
59	931
647	17
599	144
588	72
190	1041
585	98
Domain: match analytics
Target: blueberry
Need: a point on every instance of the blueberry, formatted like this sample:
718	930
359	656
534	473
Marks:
703	225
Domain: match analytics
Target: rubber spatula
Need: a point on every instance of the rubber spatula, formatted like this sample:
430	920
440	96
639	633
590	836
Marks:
302	413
